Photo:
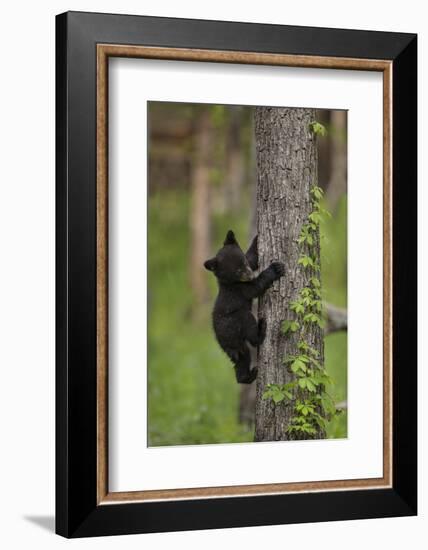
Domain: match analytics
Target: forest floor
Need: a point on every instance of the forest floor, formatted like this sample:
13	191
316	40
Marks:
192	393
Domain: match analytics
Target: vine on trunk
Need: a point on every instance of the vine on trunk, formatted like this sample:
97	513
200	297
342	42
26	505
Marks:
312	405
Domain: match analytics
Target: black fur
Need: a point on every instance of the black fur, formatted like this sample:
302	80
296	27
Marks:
234	324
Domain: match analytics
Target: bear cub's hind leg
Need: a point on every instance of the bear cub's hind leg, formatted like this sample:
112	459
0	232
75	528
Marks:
262	330
242	367
255	332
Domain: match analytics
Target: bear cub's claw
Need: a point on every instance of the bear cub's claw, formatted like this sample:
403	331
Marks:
278	268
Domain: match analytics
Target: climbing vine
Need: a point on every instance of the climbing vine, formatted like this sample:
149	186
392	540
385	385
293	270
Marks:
307	393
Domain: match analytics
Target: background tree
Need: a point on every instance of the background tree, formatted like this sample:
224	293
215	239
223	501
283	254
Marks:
235	161
200	212
287	173
325	156
338	158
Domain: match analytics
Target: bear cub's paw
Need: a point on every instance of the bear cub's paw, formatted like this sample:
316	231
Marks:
277	268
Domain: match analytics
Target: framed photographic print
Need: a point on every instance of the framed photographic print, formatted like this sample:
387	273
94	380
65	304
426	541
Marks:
236	274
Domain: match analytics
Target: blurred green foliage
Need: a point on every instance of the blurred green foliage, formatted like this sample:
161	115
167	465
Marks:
334	237
192	393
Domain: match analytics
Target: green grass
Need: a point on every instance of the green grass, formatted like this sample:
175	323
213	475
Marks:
192	394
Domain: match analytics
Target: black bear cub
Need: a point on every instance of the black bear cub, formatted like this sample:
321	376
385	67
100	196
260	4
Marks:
234	324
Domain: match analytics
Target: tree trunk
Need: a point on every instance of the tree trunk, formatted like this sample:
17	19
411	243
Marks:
235	165
200	215
287	169
338	151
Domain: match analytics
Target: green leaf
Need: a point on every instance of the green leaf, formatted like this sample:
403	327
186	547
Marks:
317	305
294	326
315	282
315	216
320	421
310	430
298	308
305	235
328	404
290	326
320	322
303	345
310	385
305	261
285	326
302	383
278	397
318	129
298	365
315	362
317	192
325	212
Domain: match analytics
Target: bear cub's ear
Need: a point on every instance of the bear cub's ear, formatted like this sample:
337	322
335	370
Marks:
211	264
230	238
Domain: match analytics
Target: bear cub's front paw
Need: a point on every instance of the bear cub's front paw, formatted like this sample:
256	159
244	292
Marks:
278	269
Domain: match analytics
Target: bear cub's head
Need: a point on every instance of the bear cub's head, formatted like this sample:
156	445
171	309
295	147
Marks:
230	264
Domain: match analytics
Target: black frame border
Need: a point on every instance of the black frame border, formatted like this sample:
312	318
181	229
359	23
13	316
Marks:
77	513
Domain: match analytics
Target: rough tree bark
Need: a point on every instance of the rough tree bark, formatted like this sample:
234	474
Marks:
287	168
200	215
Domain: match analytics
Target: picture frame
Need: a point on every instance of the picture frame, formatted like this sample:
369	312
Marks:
84	44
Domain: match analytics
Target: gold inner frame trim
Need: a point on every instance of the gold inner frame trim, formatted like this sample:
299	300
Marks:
104	51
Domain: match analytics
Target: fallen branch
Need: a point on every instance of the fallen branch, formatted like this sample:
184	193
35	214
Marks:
337	319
